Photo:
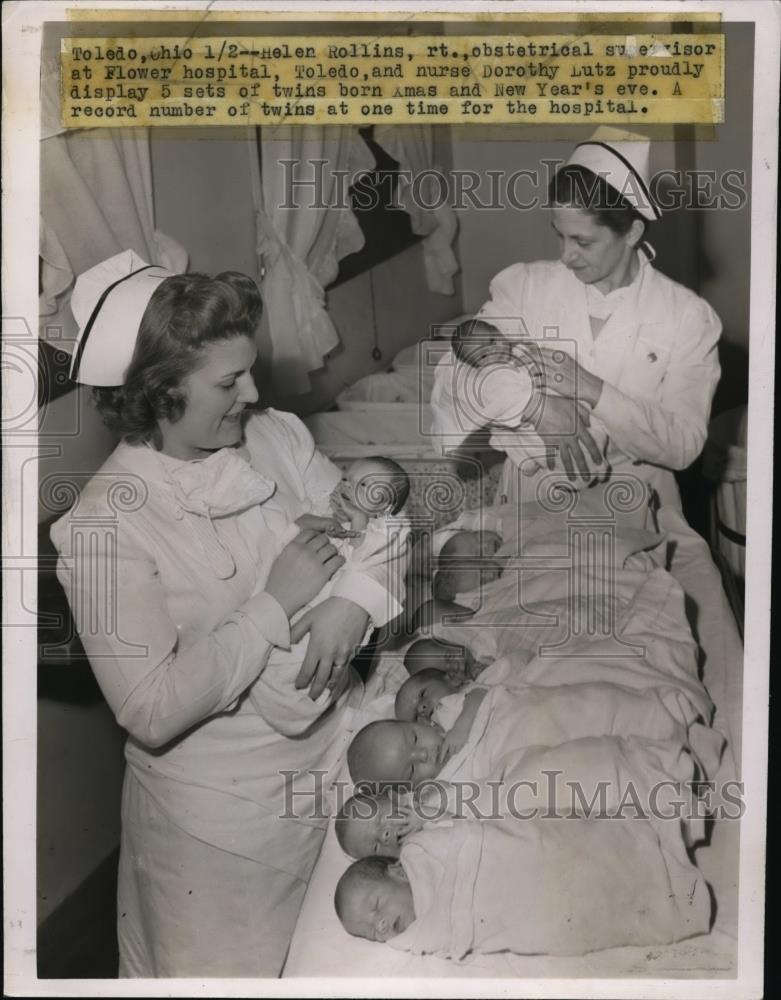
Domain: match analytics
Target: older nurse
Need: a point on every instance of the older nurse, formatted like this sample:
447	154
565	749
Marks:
181	588
619	342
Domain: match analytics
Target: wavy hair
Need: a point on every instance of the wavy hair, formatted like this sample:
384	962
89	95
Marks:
186	313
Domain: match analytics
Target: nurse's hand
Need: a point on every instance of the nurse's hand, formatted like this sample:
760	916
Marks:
336	628
562	424
302	569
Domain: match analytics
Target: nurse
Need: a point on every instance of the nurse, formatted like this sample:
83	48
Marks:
618	341
181	588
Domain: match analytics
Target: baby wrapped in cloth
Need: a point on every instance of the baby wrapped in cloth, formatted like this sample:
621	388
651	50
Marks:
589	689
537	584
549	886
525	881
495	383
370	499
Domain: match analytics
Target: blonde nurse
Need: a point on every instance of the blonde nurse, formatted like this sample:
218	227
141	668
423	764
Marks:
180	589
617	339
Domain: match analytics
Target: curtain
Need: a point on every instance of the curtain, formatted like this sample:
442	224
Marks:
413	148
303	232
96	200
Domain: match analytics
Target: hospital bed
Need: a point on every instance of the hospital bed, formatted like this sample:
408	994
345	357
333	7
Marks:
320	946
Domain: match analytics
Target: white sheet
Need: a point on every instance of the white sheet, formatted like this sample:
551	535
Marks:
321	947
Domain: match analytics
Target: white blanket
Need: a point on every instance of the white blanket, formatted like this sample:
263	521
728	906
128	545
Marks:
322	947
558	887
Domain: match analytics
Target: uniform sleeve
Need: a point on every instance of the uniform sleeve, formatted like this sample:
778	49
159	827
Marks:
671	430
156	690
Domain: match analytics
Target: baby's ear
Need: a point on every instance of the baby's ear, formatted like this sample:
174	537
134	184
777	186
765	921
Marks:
456	677
396	872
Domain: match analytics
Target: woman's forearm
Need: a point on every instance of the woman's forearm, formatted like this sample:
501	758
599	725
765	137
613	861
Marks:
589	388
185	688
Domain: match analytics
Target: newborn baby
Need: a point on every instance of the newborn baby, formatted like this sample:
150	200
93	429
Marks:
390	752
374	900
467	561
435	654
370	825
523	887
370	498
420	696
371	488
501	397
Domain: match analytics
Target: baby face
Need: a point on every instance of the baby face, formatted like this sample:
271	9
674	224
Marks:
419	695
468	561
392	752
373	828
487	349
365	486
379	911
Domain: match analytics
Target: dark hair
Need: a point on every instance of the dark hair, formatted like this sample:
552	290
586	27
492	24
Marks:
581	188
395	489
186	313
461	339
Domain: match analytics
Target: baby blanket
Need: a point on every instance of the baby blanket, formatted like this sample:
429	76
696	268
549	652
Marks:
542	886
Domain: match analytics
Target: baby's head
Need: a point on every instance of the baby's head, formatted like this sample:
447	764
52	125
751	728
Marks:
389	752
436	611
434	654
420	694
370	826
478	343
466	561
374	900
376	486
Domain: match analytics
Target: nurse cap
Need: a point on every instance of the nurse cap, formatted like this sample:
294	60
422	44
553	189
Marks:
108	302
622	160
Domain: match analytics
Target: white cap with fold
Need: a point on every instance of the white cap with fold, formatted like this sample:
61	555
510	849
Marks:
622	160
108	303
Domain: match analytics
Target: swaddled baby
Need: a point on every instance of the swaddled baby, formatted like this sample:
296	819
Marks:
394	754
467	561
509	876
522	887
497	394
446	657
370	490
370	500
